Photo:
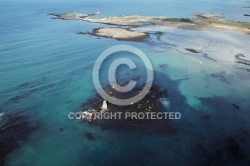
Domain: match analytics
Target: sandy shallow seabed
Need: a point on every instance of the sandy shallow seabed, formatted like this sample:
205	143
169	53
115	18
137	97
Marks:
208	43
218	45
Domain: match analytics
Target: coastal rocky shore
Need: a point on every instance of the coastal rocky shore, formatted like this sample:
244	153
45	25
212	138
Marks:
122	31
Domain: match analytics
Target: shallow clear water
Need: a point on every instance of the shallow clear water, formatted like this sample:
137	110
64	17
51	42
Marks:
46	72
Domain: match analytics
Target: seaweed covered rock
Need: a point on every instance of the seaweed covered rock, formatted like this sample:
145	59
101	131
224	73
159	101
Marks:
151	103
14	131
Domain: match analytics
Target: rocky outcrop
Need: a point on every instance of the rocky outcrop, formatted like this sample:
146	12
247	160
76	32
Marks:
120	34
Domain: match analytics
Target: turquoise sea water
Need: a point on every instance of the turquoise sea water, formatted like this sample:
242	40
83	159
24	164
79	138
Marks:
46	72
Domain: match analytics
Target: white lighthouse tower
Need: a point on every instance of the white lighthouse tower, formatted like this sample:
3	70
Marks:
104	106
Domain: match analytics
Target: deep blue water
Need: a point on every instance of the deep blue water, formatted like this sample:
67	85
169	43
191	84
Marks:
46	72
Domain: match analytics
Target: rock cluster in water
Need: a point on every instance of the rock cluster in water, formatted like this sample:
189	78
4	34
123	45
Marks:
152	102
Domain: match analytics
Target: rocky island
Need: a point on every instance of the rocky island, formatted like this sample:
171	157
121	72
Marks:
155	102
203	21
119	34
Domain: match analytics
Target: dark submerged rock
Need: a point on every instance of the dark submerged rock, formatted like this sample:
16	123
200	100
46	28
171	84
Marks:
240	59
13	133
228	142
234	149
163	65
219	152
208	157
89	136
151	102
248	70
82	33
61	129
221	76
192	50
236	106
